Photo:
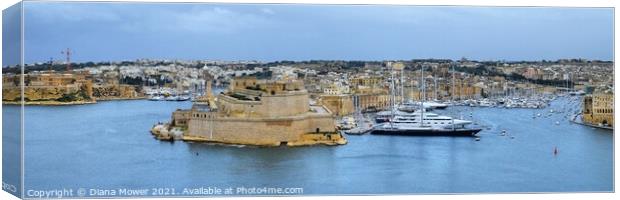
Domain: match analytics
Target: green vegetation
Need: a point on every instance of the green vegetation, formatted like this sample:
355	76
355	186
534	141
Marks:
75	96
68	97
83	94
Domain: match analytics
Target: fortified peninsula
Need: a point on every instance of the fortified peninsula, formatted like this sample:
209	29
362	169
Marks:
63	88
47	88
254	112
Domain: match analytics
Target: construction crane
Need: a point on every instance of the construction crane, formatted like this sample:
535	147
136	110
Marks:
67	53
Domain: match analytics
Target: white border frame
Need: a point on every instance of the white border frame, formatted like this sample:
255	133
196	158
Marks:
526	3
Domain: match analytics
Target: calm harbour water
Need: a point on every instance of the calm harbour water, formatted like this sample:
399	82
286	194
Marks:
108	146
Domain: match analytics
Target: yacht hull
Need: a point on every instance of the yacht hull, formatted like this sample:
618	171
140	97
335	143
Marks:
440	107
381	120
413	132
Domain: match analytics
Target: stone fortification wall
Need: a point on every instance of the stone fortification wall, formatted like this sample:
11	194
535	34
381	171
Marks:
260	113
281	105
339	105
48	88
180	117
47	93
257	131
284	105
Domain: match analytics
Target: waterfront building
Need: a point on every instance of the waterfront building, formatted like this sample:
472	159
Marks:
370	92
339	105
598	108
532	73
336	88
365	81
464	90
256	112
374	101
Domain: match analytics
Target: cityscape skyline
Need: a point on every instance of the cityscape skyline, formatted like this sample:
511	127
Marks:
271	32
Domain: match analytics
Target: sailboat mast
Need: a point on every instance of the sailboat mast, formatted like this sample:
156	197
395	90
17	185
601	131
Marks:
423	96
392	86
392	98
453	86
402	85
412	92
435	84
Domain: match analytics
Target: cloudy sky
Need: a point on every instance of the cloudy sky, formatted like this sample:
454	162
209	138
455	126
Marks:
127	31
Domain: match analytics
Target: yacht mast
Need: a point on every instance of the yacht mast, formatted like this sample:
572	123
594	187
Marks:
402	85
423	96
453	82
435	85
392	97
412	92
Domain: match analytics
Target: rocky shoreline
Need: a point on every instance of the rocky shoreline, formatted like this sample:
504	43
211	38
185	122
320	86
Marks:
120	98
59	103
48	103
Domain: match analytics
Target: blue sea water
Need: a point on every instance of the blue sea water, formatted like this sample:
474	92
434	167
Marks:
108	146
11	149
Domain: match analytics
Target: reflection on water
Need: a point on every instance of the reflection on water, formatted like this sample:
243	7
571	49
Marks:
107	145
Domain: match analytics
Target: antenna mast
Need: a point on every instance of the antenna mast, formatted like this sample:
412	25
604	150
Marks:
51	64
67	53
